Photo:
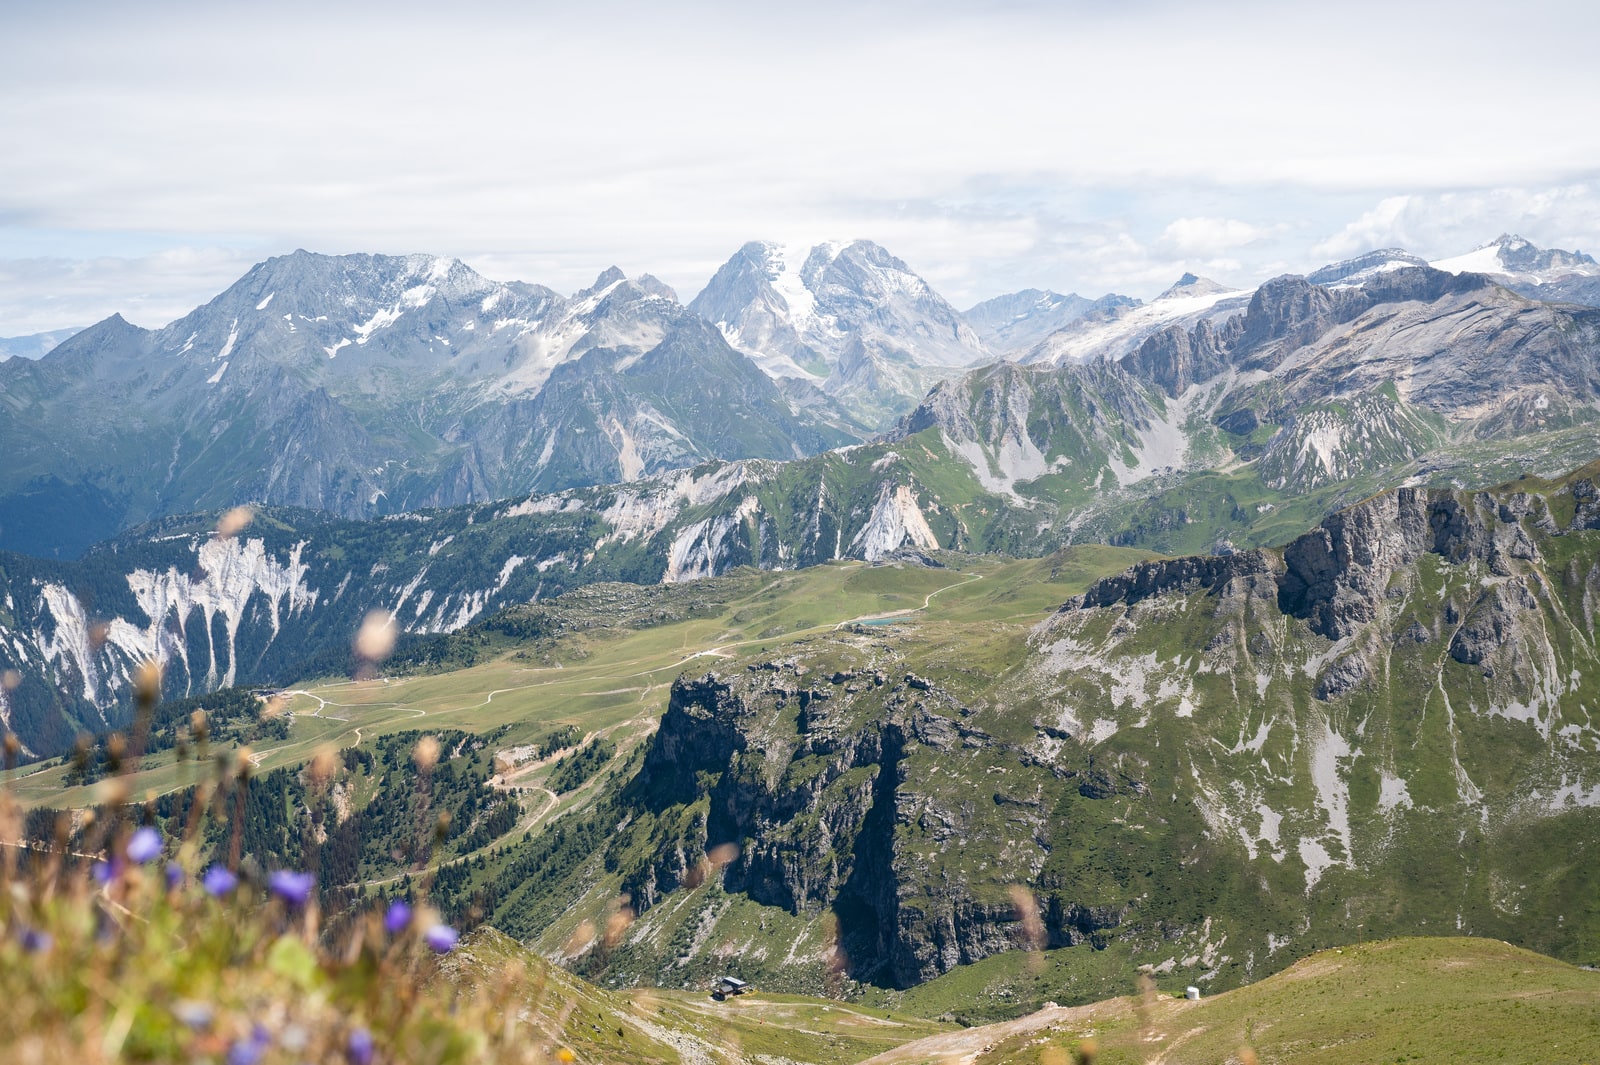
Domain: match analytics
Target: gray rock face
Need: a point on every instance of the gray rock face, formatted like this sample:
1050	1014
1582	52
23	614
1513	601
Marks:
1215	574
1010	402
1455	345
820	813
1492	623
1337	576
1343	676
1017	424
1584	289
1175	358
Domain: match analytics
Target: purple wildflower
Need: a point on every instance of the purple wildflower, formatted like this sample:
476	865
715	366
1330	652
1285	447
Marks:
292	887
358	1048
249	1051
397	917
144	845
36	941
174	876
441	937
218	881
105	872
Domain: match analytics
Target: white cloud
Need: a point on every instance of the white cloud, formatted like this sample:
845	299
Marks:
1201	236
1381	227
547	141
42	294
1436	225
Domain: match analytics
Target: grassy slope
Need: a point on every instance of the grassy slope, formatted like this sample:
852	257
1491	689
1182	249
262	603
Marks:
649	1026
615	679
1406	1000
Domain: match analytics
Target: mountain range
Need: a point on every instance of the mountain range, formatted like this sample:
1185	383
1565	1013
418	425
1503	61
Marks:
1207	765
33	346
366	385
1207	420
363	385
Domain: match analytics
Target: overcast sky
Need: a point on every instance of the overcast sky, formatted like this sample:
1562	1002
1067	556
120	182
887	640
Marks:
152	152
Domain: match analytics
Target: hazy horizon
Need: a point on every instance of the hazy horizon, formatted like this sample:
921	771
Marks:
156	154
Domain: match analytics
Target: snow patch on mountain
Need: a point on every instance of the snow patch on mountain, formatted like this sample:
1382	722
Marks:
1572	793
1392	792
1327	749
1115	335
233	338
1484	260
379	320
783	264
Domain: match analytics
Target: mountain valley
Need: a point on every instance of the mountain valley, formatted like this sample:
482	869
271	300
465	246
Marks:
1194	637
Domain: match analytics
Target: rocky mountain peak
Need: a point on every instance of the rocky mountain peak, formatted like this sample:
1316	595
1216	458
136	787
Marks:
1018	320
1193	285
1511	255
1520	254
608	277
851	318
654	286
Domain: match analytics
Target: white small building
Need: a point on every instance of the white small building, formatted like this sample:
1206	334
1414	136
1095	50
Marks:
1192	993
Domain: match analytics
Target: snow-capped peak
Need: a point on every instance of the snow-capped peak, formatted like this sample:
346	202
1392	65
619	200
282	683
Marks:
610	277
1356	270
1191	285
1510	255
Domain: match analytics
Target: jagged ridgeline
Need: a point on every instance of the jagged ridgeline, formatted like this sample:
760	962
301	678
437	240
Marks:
369	384
1208	765
280	600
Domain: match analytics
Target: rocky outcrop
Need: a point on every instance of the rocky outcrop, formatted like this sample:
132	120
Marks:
1493	622
1214	574
1176	358
1336	576
810	776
